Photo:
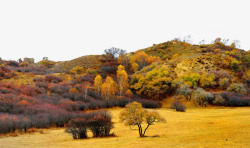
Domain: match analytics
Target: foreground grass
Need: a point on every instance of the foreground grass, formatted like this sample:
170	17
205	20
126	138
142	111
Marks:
227	127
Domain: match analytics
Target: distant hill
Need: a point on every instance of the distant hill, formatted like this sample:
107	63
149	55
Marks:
89	61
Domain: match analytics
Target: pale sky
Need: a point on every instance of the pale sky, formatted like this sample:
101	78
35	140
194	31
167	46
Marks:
67	29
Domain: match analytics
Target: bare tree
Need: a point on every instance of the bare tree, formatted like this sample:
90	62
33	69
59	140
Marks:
114	52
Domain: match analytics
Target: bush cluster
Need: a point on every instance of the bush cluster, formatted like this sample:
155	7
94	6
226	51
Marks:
98	122
231	99
33	107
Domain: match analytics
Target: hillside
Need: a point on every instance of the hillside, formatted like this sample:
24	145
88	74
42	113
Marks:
87	62
174	75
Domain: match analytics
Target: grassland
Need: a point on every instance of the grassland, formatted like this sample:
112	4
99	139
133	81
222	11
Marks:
213	127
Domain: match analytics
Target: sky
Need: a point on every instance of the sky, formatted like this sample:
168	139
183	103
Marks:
66	29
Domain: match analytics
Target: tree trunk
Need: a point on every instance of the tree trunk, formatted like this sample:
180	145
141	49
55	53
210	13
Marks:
145	129
140	130
86	91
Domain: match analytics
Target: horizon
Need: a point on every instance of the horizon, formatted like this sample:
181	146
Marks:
64	30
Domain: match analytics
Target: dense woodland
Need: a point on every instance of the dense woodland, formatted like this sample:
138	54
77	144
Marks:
57	94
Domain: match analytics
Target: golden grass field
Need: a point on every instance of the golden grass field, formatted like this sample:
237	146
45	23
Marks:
210	127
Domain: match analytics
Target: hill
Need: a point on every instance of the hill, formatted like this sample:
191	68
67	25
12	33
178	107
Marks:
87	62
174	74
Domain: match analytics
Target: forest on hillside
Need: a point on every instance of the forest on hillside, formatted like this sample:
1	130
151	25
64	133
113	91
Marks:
50	94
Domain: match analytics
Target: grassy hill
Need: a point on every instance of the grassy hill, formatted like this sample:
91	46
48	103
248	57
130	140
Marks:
90	61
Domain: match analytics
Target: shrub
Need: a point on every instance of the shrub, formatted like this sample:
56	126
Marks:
235	65
53	79
91	71
148	103
223	83
185	91
237	88
59	88
101	124
108	69
77	70
220	74
98	122
202	97
232	99
192	79
13	63
207	80
87	77
78	128
47	63
178	106
95	95
42	84
48	79
218	100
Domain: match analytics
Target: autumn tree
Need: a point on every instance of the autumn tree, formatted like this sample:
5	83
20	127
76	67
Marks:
129	93
77	70
86	88
109	88
191	79
98	84
208	80
156	84
135	67
140	58
124	60
135	115
152	59
122	78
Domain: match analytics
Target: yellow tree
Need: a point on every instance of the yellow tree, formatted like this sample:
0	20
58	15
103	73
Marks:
135	67
109	88
140	58
98	84
77	70
122	78
135	115
129	93
152	59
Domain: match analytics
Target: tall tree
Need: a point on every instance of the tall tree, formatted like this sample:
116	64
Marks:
109	88
122	78
98	84
86	87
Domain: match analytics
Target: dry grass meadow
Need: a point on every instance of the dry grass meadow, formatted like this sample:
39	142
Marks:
211	127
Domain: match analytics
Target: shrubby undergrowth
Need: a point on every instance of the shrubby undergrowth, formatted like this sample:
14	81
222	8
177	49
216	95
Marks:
24	107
